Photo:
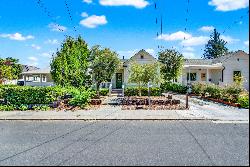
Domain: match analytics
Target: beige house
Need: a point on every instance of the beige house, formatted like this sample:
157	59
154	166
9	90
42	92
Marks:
219	71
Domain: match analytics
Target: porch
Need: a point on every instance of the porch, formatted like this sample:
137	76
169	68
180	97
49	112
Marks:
202	73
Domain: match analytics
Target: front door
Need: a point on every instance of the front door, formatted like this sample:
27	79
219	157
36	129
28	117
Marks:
118	80
203	77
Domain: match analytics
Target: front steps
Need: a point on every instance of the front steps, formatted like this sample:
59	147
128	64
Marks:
116	92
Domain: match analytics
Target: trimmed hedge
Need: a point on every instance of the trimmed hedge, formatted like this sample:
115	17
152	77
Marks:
104	92
178	88
20	97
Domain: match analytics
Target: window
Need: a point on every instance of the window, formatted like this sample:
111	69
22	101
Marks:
236	75
192	76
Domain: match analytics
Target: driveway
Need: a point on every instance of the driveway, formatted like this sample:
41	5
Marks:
123	143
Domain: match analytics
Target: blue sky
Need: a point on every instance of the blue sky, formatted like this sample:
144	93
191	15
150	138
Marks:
125	26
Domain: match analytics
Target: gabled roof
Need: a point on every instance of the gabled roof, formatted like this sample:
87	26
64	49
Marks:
229	55
38	71
198	62
142	52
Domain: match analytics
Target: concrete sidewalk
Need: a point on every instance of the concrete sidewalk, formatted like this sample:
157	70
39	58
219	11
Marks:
104	113
196	112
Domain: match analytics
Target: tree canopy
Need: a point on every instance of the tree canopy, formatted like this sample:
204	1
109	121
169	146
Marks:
9	69
172	63
216	47
69	66
141	74
104	64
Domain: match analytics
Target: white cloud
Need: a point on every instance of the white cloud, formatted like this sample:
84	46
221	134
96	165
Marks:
52	41
47	54
229	39
32	61
151	51
189	49
57	27
87	1
84	14
94	21
246	43
229	5
127	54
195	41
36	47
135	3
189	55
207	28
17	36
174	36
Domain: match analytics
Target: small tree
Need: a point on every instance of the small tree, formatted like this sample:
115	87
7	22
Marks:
104	63
141	74
216	47
69	66
9	69
172	63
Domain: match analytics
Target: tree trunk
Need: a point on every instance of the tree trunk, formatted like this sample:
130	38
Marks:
98	90
139	89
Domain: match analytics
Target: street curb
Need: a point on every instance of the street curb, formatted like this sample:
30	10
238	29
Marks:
167	119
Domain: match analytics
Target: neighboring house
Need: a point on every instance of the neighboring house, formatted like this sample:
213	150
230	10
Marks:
219	71
37	77
25	68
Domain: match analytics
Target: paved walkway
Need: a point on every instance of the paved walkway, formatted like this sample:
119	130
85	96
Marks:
199	110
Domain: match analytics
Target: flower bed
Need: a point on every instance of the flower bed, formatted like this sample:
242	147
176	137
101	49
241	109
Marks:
232	95
155	103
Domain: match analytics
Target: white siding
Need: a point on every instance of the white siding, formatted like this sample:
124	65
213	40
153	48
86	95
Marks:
232	64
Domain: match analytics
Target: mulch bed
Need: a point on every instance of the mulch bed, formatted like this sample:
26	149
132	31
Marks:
155	103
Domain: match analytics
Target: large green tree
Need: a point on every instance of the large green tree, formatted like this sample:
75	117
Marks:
9	69
104	64
69	66
216	47
172	63
141	74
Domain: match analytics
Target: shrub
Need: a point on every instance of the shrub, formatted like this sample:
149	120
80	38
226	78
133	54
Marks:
144	91
213	91
178	88
199	88
231	93
80	97
104	92
7	107
243	100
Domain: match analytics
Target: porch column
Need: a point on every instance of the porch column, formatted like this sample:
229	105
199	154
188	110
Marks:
41	81
24	78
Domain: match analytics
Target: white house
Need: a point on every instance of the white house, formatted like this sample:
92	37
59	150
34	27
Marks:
219	71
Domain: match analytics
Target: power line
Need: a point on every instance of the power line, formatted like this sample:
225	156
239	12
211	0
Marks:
48	13
69	13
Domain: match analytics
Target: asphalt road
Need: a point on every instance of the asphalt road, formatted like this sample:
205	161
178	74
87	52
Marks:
123	143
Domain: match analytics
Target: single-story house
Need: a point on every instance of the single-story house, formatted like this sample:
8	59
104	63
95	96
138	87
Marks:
37	77
219	71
